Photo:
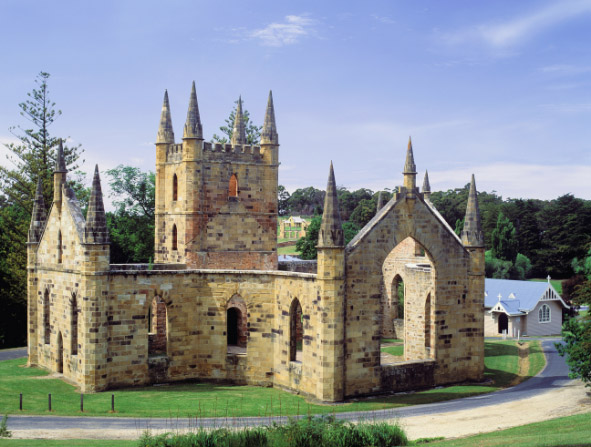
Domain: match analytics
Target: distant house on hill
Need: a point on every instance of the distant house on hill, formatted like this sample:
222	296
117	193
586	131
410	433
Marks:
293	228
528	307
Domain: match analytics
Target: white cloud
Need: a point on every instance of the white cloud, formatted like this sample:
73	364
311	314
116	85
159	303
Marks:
567	108
289	32
516	31
383	19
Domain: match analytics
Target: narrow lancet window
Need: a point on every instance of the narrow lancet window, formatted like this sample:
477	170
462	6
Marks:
296	331
175	187
74	326
46	317
233	187
59	247
174	238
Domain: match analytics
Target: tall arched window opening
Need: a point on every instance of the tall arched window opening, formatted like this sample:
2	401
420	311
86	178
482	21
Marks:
233	186
296	331
174	238
74	327
60	354
236	325
157	327
46	317
544	314
175	187
59	247
398	295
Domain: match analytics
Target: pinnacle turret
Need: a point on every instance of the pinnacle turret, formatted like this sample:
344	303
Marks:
39	217
331	231
193	127
60	162
410	169
472	235
426	186
96	221
239	131
269	133
380	203
165	132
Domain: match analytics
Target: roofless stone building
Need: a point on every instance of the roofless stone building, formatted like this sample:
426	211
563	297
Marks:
214	306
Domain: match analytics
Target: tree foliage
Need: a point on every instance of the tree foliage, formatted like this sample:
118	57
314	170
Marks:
504	239
131	225
31	157
576	336
253	132
307	244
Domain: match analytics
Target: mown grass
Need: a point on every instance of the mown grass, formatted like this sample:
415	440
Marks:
215	400
566	431
394	350
392	340
288	250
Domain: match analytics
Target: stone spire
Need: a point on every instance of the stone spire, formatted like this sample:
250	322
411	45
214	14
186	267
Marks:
472	235
269	133
96	220
39	216
380	203
426	186
239	131
193	127
60	162
331	231
165	132
410	169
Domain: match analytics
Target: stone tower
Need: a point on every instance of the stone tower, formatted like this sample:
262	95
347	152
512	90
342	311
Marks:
216	204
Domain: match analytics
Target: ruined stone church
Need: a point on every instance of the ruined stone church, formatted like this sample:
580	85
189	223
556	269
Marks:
215	306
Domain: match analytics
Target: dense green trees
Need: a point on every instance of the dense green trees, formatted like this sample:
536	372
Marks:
253	132
30	158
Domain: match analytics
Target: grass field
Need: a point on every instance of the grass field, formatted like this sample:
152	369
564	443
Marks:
567	431
289	250
207	400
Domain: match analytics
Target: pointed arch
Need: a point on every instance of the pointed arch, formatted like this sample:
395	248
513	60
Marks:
74	325
296	331
233	186
46	317
157	327
236	323
175	188
174	238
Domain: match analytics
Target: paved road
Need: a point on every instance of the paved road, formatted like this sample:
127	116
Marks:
553	376
15	353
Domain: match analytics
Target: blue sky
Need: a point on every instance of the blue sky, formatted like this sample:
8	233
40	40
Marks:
501	89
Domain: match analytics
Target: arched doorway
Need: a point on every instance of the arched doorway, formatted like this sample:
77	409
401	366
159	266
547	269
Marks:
60	354
503	323
232	320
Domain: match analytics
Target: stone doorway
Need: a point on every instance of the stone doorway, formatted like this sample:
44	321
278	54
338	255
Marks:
503	323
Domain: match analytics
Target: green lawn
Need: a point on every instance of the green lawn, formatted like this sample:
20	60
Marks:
556	283
394	350
289	250
567	431
206	400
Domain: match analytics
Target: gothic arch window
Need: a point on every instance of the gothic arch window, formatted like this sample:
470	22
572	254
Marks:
175	187
236	325
74	326
157	327
233	186
398	295
544	314
59	247
296	331
174	238
46	317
